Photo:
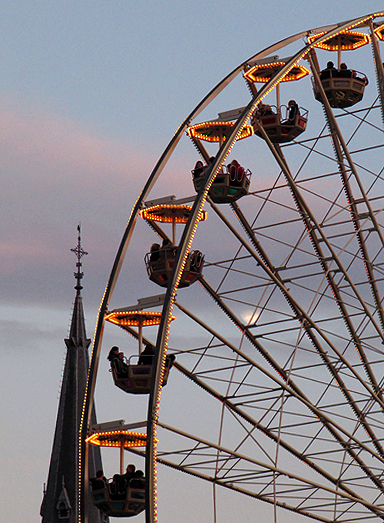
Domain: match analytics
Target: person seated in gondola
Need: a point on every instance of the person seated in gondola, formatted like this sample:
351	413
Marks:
146	357
117	361
155	252
120	482
198	169
260	112
168	246
329	71
196	259
211	160
344	72
130	473
138	480
124	479
236	172
267	111
293	111
113	354
121	366
99	482
263	110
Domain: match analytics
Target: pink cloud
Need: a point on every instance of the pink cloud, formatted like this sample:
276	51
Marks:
36	138
54	173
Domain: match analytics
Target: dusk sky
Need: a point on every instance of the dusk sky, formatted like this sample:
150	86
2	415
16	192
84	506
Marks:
90	95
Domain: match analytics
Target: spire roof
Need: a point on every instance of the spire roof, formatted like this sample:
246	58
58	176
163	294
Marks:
60	496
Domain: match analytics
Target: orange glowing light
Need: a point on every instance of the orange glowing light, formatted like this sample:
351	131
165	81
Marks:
264	72
135	318
168	213
217	131
379	32
345	41
118	438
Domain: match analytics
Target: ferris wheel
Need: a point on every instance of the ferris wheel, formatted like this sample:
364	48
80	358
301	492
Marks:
269	333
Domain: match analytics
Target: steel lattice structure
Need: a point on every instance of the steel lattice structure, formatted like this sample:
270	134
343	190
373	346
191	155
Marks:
282	336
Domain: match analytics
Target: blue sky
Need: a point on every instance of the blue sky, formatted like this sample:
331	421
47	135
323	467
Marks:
90	95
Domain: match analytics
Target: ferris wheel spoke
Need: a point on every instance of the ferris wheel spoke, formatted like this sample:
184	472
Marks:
355	202
317	235
335	372
309	326
234	402
255	478
378	66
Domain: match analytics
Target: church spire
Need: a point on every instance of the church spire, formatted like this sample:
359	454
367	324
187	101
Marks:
60	496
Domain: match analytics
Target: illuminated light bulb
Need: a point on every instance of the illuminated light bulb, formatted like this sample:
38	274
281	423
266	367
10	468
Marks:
379	32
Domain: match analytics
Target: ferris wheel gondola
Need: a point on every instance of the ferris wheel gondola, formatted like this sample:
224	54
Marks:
135	376
343	87
125	499
281	123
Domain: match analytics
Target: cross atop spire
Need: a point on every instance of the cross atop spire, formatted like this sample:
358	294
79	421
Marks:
80	252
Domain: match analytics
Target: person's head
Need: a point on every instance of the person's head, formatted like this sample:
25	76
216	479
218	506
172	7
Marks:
99	474
131	468
155	247
343	66
121	355
149	348
139	474
113	353
199	164
166	242
291	103
212	159
235	163
330	65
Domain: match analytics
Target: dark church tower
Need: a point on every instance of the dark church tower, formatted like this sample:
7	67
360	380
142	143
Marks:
60	503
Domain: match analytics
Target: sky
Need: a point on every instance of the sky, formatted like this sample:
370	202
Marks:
90	95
